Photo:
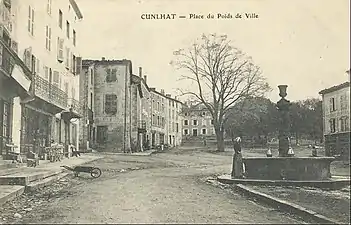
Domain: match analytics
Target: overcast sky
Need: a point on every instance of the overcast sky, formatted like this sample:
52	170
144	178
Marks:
304	44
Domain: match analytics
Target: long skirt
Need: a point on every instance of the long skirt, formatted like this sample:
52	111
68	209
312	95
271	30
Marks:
237	166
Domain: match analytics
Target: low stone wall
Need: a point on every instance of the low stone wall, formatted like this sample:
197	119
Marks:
288	168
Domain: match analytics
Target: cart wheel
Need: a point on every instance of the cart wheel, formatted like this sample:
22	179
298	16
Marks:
95	173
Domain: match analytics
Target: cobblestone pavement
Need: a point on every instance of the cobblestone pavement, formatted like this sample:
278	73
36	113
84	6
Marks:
161	188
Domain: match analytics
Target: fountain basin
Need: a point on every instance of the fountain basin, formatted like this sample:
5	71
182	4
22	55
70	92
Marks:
288	168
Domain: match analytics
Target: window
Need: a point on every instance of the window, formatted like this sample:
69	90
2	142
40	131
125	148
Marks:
91	100
48	7
195	122
56	80
46	72
204	113
186	122
177	127
332	105
211	122
203	131
73	92
111	75
60	53
67	29
343	102
60	19
158	120
91	76
185	114
6	120
73	64
153	119
33	64
158	106
186	131
67	58
332	124
48	38
344	126
111	104
66	87
74	37
31	20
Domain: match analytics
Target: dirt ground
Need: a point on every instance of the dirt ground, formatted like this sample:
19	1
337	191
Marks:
162	188
335	204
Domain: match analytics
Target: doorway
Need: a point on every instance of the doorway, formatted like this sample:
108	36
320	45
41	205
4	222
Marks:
194	132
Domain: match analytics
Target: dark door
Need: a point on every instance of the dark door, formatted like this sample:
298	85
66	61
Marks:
101	134
195	132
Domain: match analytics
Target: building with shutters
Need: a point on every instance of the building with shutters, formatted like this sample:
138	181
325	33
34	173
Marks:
336	119
46	40
107	120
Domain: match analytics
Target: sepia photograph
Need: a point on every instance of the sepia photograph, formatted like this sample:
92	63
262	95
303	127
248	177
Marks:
174	112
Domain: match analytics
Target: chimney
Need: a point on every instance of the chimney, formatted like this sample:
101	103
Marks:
349	75
140	72
162	91
168	95
103	59
145	78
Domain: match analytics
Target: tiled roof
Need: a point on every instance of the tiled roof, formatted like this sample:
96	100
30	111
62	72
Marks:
335	88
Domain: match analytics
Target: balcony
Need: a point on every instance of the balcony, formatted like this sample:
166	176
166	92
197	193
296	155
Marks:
75	106
49	92
5	15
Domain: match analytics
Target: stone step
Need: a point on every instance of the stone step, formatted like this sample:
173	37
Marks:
9	192
44	182
25	178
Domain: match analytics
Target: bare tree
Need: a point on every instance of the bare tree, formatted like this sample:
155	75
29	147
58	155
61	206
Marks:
221	74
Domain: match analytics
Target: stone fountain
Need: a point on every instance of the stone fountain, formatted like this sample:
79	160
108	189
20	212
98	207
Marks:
286	168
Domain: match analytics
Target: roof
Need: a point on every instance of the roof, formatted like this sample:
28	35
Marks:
165	96
335	88
76	9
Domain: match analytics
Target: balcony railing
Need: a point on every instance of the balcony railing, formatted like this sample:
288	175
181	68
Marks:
142	124
75	106
8	58
49	92
5	16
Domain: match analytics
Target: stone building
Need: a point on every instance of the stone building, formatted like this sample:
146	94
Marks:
15	79
46	41
141	112
174	120
336	119
197	122
110	125
87	134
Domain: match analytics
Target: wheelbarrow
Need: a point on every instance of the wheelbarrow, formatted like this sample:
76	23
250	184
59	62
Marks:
94	171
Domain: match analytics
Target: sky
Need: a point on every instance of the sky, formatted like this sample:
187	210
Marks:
304	44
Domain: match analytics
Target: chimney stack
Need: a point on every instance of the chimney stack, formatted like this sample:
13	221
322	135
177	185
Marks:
103	58
162	91
145	78
140	72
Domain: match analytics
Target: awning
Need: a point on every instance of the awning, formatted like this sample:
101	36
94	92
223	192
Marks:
19	76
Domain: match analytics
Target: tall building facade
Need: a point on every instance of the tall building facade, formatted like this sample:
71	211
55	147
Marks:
109	127
46	40
336	119
197	121
125	114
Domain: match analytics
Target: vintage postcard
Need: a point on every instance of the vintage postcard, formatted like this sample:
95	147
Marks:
174	111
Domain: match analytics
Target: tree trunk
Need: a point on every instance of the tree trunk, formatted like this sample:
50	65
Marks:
220	140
